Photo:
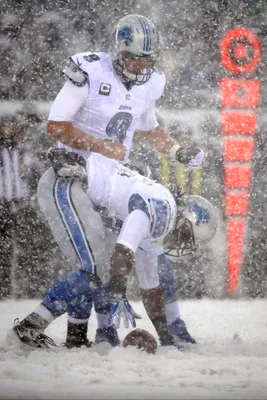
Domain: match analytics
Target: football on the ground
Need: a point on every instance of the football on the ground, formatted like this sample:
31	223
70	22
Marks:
141	339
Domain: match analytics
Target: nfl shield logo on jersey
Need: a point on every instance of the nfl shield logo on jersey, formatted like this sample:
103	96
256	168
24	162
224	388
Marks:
105	89
127	97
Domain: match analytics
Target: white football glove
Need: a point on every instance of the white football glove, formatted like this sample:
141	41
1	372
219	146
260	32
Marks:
67	164
197	161
191	156
122	310
72	172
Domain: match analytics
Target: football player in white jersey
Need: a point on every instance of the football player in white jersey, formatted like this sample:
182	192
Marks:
105	100
147	214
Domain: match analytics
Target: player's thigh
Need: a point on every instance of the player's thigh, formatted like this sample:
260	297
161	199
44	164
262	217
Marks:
76	226
146	262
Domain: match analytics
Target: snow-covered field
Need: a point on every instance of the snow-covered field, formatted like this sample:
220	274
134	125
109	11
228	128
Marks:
230	361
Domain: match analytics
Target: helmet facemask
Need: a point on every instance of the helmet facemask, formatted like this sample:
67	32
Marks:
195	226
180	242
135	68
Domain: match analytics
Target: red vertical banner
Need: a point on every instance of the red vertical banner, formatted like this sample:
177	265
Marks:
235	240
240	96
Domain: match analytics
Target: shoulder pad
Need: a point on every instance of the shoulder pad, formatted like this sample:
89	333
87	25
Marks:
75	74
87	61
92	65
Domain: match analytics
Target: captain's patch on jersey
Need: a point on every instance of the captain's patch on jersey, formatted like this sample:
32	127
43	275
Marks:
105	89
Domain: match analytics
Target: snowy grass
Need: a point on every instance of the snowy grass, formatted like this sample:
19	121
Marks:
230	361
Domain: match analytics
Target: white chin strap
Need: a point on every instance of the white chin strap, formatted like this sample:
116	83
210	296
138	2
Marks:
135	76
129	75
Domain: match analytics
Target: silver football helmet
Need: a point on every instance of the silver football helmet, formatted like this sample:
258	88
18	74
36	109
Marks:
196	225
137	46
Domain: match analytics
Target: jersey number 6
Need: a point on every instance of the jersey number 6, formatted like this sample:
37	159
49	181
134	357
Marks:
118	125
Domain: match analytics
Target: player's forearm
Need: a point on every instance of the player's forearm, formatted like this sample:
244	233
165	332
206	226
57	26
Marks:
121	265
74	137
160	139
154	304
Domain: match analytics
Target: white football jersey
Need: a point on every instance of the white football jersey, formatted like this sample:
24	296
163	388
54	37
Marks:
103	107
120	190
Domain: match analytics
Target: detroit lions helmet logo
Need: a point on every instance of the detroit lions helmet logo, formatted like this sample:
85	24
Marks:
126	35
202	214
